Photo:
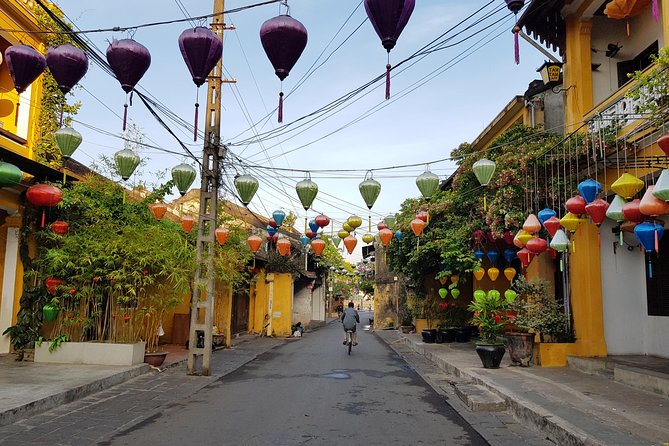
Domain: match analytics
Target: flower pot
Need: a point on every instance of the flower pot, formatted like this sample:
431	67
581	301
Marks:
473	331
521	347
439	337
462	334
490	354
406	329
50	312
447	334
429	335
155	359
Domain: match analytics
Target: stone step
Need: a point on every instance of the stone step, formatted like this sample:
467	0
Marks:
478	398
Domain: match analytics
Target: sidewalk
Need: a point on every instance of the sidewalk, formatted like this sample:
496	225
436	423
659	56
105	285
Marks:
570	407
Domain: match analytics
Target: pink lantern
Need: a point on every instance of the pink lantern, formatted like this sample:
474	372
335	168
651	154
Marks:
532	224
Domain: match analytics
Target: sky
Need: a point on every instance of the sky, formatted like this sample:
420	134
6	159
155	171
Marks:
417	126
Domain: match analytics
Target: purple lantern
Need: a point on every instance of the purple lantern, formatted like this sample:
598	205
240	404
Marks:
129	60
389	17
201	49
68	64
25	65
283	39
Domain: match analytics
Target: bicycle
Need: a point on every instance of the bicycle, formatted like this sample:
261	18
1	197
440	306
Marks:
349	340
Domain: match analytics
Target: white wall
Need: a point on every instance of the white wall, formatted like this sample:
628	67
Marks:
627	327
8	285
301	306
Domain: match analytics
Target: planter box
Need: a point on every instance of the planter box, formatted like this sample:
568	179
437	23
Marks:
100	353
549	354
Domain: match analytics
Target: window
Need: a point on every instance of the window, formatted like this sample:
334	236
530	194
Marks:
640	62
657	288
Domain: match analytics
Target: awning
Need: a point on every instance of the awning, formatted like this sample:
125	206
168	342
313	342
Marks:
542	21
40	171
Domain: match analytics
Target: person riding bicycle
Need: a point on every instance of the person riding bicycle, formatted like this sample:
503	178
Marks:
350	318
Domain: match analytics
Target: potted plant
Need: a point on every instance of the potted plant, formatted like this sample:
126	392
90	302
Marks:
489	315
521	316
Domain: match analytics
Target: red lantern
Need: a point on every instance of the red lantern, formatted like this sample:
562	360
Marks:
422	215
386	235
382	225
254	243
576	205
272	238
60	227
552	225
536	245
51	284
417	226
663	142
322	220
350	243
44	196
222	235
283	246
187	223
272	223
478	236
631	211
490	236
628	226
310	234
158	210
318	245
507	236
525	257
597	211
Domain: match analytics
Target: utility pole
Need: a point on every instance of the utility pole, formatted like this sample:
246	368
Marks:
204	285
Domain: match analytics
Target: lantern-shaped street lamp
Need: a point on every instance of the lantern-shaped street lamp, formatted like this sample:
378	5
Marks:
183	176
246	186
201	49
10	175
129	60
550	72
483	170
283	38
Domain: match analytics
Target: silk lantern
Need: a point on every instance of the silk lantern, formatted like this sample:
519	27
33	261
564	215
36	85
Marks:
479	254
386	236
576	205
510	273
368	238
560	241
44	196
279	216
510	295
10	175
443	292
589	189
483	170
304	240
651	205
552	225
648	234
254	243
350	242
318	245
67	140
663	143
545	214
306	192
246	186
493	256
343	233
627	186
537	245
417	226
60	227
187	223
183	177
455	293
283	246
398	235
479	273
507	236
428	184
596	209
509	255
369	189
615	213
382	225
631	211
571	222
313	226
222	235
126	162
25	64
526	257
158	210
661	189
532	224
67	64
322	220
493	273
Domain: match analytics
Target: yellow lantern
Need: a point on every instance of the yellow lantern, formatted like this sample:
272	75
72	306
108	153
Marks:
627	186
455	278
571	222
493	273
524	237
510	273
443	280
479	273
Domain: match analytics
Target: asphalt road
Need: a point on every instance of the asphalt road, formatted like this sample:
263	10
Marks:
310	391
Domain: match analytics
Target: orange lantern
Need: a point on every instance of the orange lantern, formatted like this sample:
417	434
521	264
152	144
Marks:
283	246
158	210
187	223
386	235
318	245
532	224
479	273
417	226
221	235
254	243
350	243
651	205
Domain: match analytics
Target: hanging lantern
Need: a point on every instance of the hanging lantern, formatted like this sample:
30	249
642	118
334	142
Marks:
663	142
254	243
183	176
271	222
322	220
652	206
187	223
382	225
389	19
552	225
507	236
509	255
576	205
631	211
455	293
537	245
479	273
589	189
283	38
646	235
129	60
478	236
428	184
615	212
50	312
158	210
306	192
628	226
10	175
318	245
517	241
532	224
491	237
386	235
627	186
51	283
304	240
272	239
246	186
68	64
126	162
560	241
493	256
25	65
390	220
201	49
443	292
271	230
597	210
60	227
221	235
336	240
354	221
368	238
44	196
370	190
661	189
398	235
422	215
571	222
283	246
346	227
349	243
524	237
67	140
510	295
343	233
526	257
417	226
483	170
545	214
479	254
510	273
313	226
278	216
493	273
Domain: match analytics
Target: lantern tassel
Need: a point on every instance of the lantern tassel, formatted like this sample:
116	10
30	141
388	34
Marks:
485	203
64	176
621	236
650	268
369	226
124	195
16	117
281	107
125	115
657	242
43	216
388	67
656	11
197	109
628	28
561	264
516	48
573	246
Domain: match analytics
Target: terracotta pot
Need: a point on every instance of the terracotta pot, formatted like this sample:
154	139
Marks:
155	359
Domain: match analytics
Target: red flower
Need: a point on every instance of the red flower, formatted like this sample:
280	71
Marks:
511	315
146	272
498	318
126	318
72	291
477	314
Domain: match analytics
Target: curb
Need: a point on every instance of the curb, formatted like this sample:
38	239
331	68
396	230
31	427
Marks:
42	405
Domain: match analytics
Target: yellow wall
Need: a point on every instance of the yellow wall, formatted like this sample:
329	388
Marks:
282	305
279	289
